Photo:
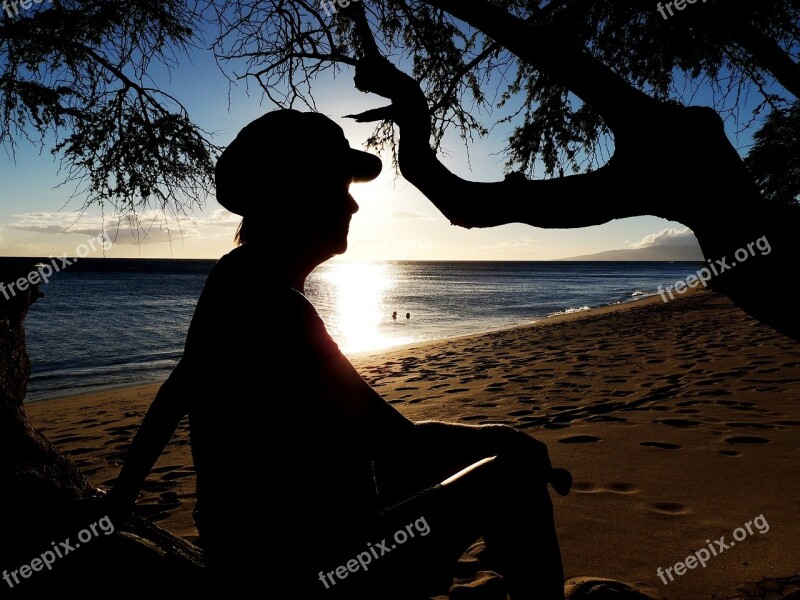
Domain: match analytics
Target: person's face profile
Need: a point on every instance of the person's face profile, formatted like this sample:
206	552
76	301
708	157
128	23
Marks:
330	211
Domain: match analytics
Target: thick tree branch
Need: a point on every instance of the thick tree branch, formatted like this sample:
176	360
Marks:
610	95
543	203
769	55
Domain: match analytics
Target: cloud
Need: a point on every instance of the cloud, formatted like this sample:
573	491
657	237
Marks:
410	215
149	227
222	218
521	246
668	237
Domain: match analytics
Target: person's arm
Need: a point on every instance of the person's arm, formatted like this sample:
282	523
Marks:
165	413
457	445
347	401
340	396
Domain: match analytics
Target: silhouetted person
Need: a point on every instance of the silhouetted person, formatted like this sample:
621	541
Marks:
394	315
304	473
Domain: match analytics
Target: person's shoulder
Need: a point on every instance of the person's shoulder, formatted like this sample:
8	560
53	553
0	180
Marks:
297	302
239	266
239	257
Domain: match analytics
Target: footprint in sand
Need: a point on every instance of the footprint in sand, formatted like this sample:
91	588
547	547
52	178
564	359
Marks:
618	487
688	403
662	445
679	422
528	401
668	508
66	435
584	487
579	439
606	419
714	392
165	469
747	439
176	475
78	451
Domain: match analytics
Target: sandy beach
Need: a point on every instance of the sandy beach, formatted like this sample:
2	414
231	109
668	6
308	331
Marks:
680	423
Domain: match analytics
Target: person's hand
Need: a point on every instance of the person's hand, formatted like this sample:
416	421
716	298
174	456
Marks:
534	454
520	444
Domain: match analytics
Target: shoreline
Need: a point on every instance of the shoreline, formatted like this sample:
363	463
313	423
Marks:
678	421
358	356
536	321
555	319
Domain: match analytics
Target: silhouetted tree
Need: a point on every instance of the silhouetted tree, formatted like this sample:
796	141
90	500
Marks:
774	160
574	77
75	72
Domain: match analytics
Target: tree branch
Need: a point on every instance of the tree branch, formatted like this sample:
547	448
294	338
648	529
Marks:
612	97
542	203
769	54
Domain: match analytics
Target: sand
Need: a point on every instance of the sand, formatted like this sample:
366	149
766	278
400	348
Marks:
680	423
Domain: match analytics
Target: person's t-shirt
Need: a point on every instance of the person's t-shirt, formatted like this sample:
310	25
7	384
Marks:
262	453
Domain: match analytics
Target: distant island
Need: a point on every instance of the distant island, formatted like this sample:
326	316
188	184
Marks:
653	253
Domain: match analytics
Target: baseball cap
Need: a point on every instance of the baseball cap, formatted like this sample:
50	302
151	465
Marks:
281	145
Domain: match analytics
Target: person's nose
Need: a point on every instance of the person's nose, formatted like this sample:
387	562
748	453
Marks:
352	205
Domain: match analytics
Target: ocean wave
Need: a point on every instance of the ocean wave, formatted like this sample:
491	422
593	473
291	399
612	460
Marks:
569	311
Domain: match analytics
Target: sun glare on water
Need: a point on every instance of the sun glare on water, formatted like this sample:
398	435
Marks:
361	316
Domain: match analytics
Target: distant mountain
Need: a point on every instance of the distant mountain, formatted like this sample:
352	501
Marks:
654	253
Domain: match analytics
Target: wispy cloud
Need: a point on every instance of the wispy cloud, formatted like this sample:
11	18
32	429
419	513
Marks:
410	215
150	227
523	246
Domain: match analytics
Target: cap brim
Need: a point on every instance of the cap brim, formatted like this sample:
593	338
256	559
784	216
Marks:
364	166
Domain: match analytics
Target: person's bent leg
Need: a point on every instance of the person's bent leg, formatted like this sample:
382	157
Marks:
413	546
517	521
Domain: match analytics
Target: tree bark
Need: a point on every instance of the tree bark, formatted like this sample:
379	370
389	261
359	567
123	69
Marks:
46	499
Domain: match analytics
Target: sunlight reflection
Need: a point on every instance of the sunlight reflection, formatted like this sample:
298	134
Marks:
359	304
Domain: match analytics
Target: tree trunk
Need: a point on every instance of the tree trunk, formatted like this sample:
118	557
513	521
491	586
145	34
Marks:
46	499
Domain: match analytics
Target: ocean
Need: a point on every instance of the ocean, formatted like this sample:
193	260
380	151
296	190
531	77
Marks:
116	322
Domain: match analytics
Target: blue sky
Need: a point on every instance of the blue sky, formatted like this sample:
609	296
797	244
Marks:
37	217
